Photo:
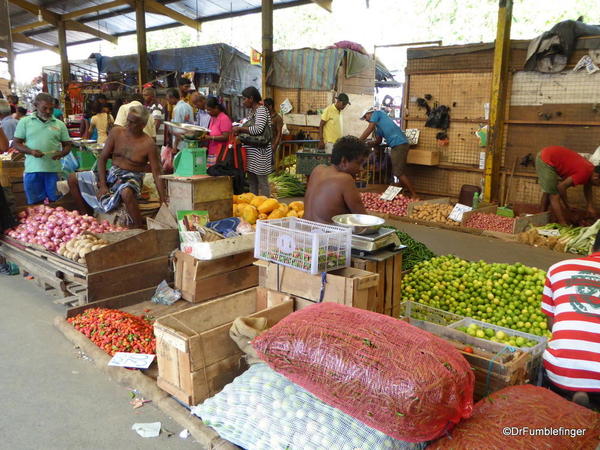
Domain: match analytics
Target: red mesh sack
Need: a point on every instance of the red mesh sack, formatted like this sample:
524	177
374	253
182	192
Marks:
394	377
493	419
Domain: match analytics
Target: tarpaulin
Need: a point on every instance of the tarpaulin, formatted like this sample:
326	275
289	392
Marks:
306	68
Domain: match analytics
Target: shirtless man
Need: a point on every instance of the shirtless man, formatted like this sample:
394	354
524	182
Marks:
131	150
331	189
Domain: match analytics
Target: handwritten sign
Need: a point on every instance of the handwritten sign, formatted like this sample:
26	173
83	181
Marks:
458	211
131	360
549	233
390	193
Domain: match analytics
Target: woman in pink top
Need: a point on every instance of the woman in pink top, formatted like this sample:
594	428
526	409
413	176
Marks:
220	128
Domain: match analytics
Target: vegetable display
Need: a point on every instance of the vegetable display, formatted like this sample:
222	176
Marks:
415	252
397	207
53	227
501	294
540	410
252	208
491	222
576	240
79	246
284	185
496	336
390	375
434	212
116	331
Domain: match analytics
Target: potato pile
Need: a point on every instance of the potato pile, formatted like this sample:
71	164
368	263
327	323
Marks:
78	247
251	208
434	212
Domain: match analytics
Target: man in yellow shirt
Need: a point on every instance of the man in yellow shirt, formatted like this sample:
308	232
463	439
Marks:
330	128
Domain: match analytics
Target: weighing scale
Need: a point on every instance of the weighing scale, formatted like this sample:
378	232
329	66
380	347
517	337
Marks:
370	243
191	158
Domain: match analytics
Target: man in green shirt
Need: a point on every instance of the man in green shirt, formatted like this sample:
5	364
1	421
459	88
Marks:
44	140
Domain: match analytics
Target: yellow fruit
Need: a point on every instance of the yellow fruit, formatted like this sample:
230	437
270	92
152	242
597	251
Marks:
277	214
236	199
301	214
285	208
250	214
245	198
257	201
268	206
262	217
292	213
297	206
236	209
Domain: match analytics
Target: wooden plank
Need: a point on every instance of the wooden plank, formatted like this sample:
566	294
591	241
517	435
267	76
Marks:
223	284
397	282
123	279
205	269
555	113
116	302
95	8
380	307
140	30
389	286
158	8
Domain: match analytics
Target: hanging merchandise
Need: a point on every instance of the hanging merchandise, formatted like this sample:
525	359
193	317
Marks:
439	118
442	139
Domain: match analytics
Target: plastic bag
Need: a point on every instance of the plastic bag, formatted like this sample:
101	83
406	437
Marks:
392	376
165	295
523	406
166	158
262	410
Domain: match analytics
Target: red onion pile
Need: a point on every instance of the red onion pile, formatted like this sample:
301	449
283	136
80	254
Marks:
491	222
52	227
396	207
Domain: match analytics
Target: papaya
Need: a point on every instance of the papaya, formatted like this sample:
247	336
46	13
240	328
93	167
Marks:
292	213
250	214
245	198
297	206
301	214
268	206
285	208
276	214
262	216
258	200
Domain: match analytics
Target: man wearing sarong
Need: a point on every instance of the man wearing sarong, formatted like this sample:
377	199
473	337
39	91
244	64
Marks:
131	151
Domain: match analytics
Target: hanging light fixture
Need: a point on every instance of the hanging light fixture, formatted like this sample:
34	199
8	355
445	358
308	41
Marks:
40	17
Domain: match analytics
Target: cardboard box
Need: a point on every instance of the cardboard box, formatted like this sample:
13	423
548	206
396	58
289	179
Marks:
423	157
196	357
348	286
200	281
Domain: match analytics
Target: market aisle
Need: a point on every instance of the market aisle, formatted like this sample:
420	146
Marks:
51	398
474	248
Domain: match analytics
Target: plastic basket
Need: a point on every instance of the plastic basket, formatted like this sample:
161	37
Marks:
304	245
306	162
418	311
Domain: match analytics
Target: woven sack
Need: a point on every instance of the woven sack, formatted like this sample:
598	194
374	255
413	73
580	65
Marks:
262	410
392	376
524	406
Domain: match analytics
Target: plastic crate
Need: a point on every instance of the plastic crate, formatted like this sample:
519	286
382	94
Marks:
418	311
306	162
304	245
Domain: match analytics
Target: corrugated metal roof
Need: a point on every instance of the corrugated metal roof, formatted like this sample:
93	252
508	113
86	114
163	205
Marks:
120	20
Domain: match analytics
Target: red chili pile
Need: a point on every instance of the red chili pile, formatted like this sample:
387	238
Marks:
116	331
491	222
397	207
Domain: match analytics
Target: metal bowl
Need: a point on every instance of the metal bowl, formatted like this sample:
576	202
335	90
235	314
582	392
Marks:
189	131
360	223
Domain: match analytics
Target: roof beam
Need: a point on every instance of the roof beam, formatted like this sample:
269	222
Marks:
94	9
325	4
53	18
76	26
29	26
21	38
158	8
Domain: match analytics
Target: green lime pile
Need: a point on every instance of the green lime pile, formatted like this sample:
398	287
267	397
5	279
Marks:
497	336
508	295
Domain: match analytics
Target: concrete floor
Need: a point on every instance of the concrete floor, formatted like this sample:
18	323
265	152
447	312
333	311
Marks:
53	399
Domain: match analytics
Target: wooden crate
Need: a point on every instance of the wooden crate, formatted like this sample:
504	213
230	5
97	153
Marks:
423	157
201	193
196	357
521	223
200	280
11	172
348	286
388	265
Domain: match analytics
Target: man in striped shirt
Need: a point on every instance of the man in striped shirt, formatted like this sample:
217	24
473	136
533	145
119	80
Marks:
571	300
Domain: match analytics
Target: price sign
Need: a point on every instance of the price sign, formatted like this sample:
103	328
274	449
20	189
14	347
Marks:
458	211
132	360
549	233
390	193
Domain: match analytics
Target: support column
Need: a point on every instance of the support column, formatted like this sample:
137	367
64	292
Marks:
140	24
65	70
10	57
493	160
267	43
